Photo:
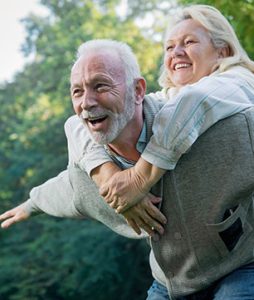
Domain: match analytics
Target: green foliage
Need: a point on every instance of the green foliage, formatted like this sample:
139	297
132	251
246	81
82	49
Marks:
66	259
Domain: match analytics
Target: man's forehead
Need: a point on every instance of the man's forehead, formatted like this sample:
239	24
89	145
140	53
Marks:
102	62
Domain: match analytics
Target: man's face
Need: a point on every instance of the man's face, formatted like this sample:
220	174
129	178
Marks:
100	96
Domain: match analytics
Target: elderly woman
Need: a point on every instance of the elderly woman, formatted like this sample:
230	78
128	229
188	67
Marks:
206	77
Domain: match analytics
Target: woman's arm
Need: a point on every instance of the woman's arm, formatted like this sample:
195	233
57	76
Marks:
145	214
126	188
176	127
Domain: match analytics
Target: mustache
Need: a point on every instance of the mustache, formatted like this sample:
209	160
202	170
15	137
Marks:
96	113
85	114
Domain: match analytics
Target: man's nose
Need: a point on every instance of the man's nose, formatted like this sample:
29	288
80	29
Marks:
88	101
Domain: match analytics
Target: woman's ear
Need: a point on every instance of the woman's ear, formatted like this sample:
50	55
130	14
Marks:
140	90
224	52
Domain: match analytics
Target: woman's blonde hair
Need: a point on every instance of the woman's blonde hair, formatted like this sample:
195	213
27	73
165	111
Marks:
222	35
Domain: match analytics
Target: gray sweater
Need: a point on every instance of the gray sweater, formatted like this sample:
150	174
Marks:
207	200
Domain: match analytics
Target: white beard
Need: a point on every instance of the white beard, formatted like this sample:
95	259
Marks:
118	121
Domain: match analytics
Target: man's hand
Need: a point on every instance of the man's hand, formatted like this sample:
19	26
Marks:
147	216
17	214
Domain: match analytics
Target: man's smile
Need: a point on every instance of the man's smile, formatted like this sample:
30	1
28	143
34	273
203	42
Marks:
96	120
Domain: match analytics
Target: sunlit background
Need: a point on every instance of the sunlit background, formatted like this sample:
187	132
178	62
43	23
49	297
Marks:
12	33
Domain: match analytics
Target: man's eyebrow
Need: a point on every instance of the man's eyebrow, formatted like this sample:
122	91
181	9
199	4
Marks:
95	78
74	85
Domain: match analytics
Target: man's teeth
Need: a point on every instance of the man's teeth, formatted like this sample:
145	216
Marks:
179	66
94	120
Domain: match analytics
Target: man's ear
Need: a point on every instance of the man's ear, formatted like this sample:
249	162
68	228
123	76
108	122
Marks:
140	90
224	52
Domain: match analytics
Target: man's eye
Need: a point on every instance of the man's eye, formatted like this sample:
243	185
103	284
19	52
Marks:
76	92
101	87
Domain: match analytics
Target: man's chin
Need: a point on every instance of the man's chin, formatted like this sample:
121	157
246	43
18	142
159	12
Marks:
97	136
100	138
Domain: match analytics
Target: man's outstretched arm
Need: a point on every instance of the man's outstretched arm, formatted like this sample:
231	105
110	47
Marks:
54	197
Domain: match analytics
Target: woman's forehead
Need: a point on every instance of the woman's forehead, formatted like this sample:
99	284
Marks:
185	28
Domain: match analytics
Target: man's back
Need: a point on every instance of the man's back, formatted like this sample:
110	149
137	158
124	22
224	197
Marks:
208	203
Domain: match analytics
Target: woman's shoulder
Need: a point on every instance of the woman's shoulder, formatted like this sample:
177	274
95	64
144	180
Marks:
215	81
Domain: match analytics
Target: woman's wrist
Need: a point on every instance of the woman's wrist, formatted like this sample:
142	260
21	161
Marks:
149	174
104	172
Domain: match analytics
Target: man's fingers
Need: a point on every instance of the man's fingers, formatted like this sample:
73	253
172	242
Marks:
156	214
152	224
8	223
145	215
6	215
13	216
144	221
147	228
150	215
151	230
134	226
154	199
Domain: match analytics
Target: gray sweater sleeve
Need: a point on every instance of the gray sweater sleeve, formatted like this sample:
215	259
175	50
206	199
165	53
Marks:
54	197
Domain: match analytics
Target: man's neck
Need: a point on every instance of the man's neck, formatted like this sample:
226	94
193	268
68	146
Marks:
125	144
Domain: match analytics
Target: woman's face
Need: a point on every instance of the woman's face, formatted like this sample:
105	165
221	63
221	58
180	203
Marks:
189	53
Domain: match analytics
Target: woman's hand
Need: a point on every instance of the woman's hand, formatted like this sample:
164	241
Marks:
145	215
15	215
124	190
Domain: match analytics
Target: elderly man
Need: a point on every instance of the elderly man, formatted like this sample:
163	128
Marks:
100	79
108	92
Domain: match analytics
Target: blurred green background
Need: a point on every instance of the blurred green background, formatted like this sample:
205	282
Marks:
57	259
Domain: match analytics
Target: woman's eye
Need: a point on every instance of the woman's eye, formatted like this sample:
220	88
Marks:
188	42
169	47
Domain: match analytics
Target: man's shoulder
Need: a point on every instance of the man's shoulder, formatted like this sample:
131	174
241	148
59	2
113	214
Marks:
153	102
72	123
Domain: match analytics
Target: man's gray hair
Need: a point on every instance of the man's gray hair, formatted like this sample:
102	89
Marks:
124	52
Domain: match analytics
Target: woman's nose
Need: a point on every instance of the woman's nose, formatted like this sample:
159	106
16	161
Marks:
178	51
